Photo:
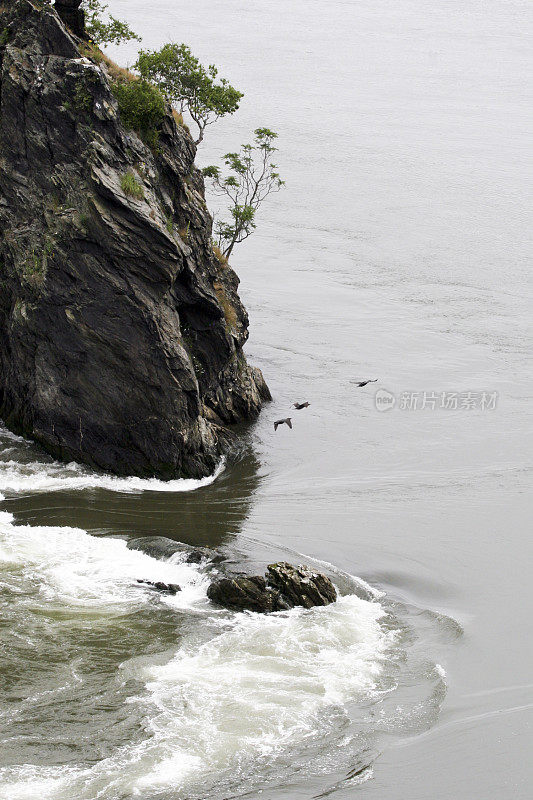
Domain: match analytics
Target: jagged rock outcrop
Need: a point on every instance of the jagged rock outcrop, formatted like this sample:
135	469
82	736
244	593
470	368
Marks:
301	586
284	586
243	593
121	334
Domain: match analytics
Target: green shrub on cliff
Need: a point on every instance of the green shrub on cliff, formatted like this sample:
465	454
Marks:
142	108
175	74
189	85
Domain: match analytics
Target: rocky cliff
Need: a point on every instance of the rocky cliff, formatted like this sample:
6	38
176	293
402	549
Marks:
121	333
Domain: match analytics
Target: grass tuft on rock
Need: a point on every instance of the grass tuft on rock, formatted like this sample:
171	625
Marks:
131	186
219	255
116	73
230	313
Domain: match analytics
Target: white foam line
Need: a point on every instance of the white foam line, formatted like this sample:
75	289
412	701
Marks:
36	477
5	433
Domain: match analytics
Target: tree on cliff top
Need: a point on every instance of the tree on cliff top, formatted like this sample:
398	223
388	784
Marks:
252	178
112	31
189	85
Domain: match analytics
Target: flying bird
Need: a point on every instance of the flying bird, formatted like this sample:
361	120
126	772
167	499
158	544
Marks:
283	422
364	383
299	406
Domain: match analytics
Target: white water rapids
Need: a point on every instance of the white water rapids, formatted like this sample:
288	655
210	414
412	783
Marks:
257	687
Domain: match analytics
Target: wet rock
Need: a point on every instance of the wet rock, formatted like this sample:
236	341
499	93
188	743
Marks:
283	587
155	546
162	548
242	592
121	335
159	586
195	556
300	585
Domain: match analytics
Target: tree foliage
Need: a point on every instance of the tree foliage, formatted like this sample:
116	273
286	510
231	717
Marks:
111	31
188	85
252	178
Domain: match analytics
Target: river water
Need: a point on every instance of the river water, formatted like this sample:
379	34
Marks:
398	250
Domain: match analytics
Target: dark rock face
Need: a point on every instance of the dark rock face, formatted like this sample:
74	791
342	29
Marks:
72	15
242	592
285	586
121	335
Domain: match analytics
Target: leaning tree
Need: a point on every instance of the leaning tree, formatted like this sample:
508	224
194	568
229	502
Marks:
252	178
188	85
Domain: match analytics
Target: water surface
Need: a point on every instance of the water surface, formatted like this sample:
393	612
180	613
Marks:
398	250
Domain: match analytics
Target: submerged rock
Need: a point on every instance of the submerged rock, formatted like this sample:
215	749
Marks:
121	333
159	586
162	548
197	555
283	587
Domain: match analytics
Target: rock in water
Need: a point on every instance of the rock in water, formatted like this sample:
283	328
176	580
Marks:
121	334
285	586
301	586
159	586
242	592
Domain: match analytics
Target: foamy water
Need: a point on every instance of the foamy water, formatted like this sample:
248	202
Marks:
229	700
84	572
21	475
260	685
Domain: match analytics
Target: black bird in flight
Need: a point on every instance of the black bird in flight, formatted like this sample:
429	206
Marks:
364	383
286	421
299	406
